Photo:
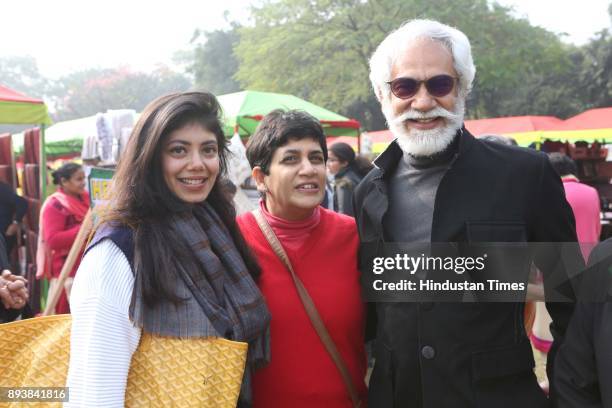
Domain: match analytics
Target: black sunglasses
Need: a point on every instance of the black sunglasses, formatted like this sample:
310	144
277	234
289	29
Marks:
437	86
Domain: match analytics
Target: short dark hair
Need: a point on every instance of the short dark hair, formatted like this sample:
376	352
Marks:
276	129
563	164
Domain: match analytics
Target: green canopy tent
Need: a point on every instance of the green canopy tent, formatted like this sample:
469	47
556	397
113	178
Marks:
18	109
244	110
63	139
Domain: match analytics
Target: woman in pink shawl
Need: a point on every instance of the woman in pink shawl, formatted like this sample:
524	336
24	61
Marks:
60	219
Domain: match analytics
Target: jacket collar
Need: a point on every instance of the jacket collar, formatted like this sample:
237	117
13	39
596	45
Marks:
390	157
342	172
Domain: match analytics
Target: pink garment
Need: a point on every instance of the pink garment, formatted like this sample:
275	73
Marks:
584	201
540	344
61	216
292	234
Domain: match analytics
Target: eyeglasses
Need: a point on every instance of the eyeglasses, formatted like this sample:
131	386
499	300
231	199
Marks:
437	86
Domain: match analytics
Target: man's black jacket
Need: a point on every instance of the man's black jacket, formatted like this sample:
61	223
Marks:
439	355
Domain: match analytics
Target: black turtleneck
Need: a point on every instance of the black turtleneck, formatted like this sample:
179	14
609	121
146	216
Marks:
412	192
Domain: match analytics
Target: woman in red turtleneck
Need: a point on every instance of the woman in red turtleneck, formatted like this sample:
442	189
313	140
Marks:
288	154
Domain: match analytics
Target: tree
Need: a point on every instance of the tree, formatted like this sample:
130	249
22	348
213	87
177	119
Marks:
214	64
596	73
87	92
21	74
557	92
519	67
319	50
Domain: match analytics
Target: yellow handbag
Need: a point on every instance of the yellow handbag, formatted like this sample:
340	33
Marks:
164	372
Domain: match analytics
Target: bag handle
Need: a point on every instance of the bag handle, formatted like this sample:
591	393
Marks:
311	309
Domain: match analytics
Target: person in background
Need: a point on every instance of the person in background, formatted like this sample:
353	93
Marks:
328	197
61	217
228	188
347	170
287	154
13	289
585	204
4	261
12	210
505	140
583	199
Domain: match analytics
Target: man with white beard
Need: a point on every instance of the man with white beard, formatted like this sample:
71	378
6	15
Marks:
437	183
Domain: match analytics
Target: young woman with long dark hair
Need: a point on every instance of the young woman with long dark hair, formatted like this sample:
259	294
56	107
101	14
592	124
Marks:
169	259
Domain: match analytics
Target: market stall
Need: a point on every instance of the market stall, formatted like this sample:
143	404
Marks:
589	126
17	109
244	110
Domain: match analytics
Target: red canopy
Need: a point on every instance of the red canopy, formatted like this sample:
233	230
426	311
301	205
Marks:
600	118
350	140
10	95
511	124
380	136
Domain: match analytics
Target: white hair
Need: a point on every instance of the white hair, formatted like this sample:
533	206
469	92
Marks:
396	42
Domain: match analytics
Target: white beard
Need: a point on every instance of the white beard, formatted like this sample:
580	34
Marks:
425	142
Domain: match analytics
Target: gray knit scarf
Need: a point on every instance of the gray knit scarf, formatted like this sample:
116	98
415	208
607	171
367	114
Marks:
222	300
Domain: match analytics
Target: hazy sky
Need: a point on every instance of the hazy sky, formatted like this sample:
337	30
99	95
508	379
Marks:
70	35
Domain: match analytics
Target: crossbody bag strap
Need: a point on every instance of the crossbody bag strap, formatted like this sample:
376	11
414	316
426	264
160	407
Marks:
311	309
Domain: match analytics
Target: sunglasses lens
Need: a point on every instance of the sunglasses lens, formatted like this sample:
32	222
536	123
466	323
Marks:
440	85
404	87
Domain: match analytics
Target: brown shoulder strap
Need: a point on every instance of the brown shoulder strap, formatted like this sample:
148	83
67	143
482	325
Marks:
311	309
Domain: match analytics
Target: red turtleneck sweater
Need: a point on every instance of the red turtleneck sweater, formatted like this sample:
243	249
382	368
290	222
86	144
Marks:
323	252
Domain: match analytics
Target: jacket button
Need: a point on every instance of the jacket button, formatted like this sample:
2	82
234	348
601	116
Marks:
428	352
427	305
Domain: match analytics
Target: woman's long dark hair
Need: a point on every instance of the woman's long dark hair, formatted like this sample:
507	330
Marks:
141	199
